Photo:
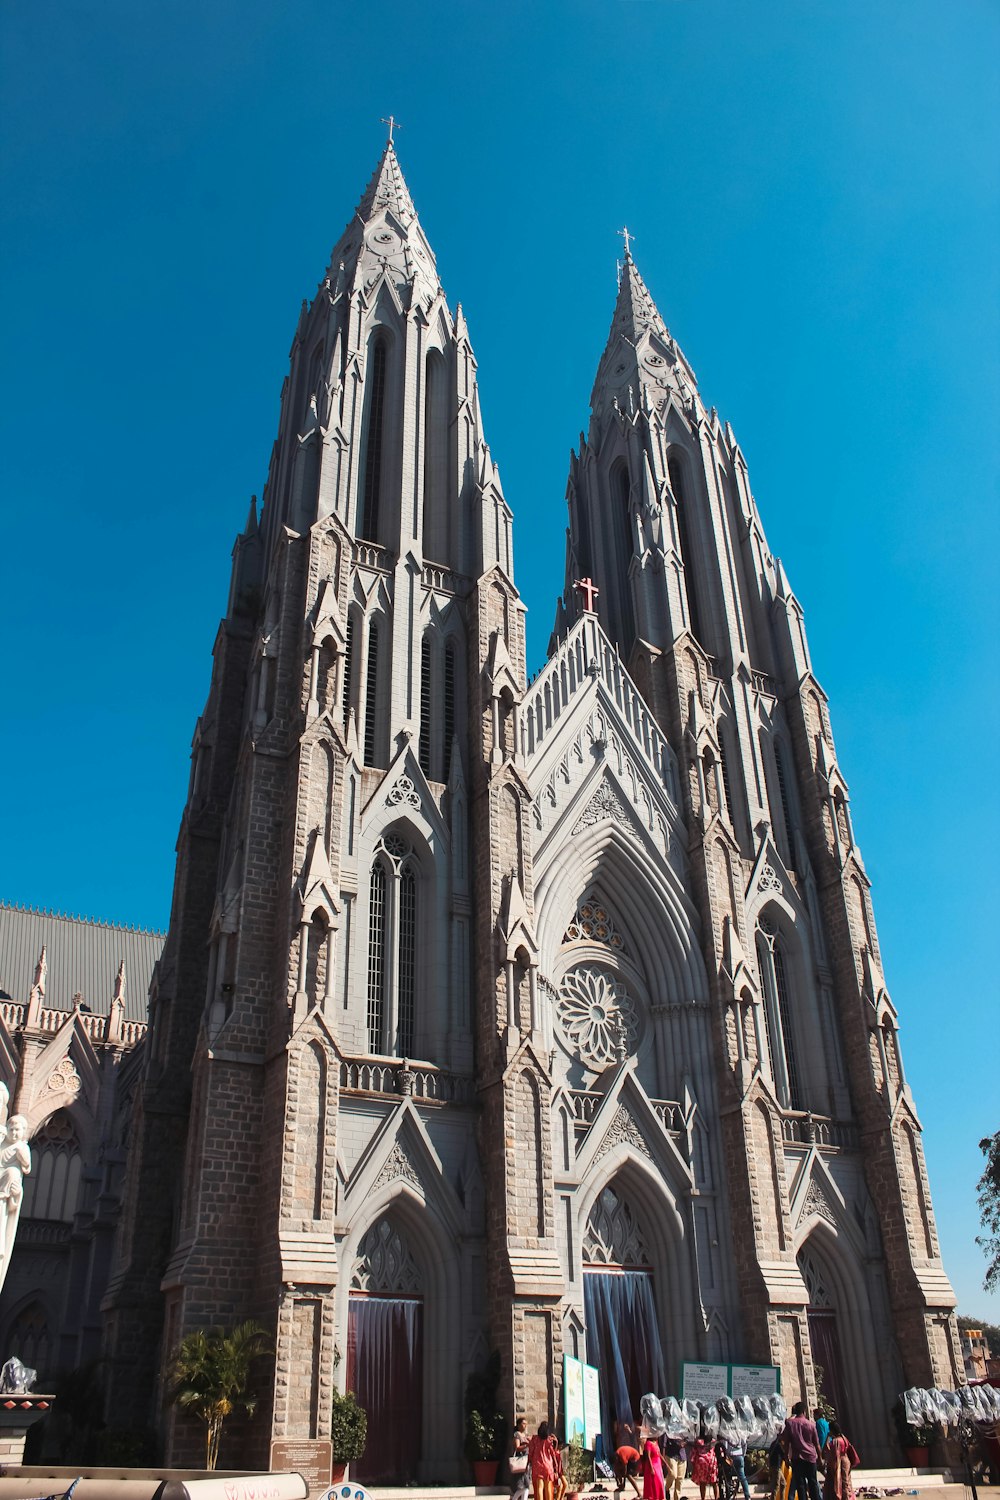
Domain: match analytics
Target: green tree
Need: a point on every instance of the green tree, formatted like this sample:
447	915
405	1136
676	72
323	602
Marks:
988	1188
209	1375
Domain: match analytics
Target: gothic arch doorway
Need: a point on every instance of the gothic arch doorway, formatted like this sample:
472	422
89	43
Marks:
620	1311
385	1354
825	1334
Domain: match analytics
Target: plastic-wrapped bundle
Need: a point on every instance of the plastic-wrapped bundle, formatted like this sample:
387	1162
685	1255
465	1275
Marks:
765	1423
746	1420
779	1411
652	1414
964	1394
675	1423
954	1406
709	1420
991	1395
913	1406
984	1406
728	1427
16	1378
692	1416
939	1406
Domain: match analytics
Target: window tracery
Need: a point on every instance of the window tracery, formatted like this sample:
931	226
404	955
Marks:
594	923
597	1014
392	948
385	1263
613	1237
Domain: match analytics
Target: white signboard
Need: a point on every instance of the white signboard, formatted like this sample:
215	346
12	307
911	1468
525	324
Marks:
704	1382
573	1406
755	1380
591	1406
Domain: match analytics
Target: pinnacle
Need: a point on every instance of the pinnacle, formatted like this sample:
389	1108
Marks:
387	189
635	310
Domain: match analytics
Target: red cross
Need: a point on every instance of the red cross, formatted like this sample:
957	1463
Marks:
588	588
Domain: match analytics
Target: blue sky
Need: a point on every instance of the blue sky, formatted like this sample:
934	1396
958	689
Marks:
814	192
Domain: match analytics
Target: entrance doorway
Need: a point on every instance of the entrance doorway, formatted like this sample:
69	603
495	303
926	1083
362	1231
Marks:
385	1356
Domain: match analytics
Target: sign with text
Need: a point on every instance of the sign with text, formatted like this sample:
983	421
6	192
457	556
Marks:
310	1457
754	1380
581	1400
704	1382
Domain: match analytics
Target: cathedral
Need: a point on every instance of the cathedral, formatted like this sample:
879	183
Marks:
540	1017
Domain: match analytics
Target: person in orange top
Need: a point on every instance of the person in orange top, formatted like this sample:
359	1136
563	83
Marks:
627	1467
540	1463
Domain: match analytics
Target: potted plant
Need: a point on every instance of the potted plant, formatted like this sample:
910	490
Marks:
578	1466
348	1432
480	1447
915	1440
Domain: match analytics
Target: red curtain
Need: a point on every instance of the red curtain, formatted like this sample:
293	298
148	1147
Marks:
385	1372
825	1342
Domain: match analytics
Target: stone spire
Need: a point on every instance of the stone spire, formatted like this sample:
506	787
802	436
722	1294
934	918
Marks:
387	190
641	361
384	235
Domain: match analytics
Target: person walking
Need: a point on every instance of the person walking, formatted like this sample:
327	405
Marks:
736	1452
822	1427
540	1463
704	1468
520	1477
652	1471
674	1465
800	1441
839	1457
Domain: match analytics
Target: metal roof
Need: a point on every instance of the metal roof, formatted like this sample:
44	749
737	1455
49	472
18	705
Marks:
82	958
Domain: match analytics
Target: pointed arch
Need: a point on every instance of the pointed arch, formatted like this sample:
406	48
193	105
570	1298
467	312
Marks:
376	379
621	516
436	527
676	473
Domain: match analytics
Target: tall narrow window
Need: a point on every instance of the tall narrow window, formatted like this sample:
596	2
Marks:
376	957
726	788
778	1015
779	767
424	747
373	443
623	556
348	667
371	694
407	959
435	458
687	548
449	708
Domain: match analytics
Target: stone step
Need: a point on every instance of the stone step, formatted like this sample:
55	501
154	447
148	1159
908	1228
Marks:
906	1479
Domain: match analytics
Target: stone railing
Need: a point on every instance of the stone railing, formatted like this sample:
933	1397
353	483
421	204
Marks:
371	555
13	1012
802	1127
586	1103
585	654
441	580
42	1232
418	1080
763	682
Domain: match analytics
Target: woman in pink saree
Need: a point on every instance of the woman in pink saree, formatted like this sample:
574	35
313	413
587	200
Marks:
837	1456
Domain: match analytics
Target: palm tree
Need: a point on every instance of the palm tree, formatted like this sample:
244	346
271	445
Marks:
209	1373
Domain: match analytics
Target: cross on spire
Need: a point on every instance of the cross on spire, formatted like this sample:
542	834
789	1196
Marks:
392	123
588	588
628	237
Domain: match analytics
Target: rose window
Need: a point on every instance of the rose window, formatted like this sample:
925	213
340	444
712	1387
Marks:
597	1014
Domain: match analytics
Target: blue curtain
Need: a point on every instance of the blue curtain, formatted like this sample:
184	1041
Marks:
385	1372
623	1341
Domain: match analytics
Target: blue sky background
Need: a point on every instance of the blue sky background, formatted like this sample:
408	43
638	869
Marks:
814	192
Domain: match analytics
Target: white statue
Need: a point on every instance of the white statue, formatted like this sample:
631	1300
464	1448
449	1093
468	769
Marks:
15	1164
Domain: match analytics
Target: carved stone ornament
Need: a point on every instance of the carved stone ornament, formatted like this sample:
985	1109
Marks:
816	1202
593	923
819	1294
769	880
64	1079
613	1237
403	791
397	1165
623	1131
385	1263
597	1015
604	804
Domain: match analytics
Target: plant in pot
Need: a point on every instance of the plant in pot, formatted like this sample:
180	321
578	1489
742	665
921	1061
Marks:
915	1440
348	1432
480	1446
578	1466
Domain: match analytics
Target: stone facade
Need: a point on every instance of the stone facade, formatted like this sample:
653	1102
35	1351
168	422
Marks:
474	986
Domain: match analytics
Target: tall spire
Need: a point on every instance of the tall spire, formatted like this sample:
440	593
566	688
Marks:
635	310
387	189
641	361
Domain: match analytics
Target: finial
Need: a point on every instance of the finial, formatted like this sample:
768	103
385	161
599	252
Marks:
628	237
588	588
393	124
119	993
41	969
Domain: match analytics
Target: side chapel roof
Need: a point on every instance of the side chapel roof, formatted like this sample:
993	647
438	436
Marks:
82	958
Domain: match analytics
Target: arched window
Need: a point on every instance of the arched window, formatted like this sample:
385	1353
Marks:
371	695
779	1015
53	1188
392	949
449	707
375	394
30	1340
676	477
348	686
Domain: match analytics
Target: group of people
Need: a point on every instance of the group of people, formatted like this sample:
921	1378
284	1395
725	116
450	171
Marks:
805	1446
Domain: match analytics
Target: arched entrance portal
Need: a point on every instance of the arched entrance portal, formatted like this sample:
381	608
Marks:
623	1337
824	1336
385	1354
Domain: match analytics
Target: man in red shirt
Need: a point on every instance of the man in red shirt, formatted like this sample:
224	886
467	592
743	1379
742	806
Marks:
627	1467
800	1440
